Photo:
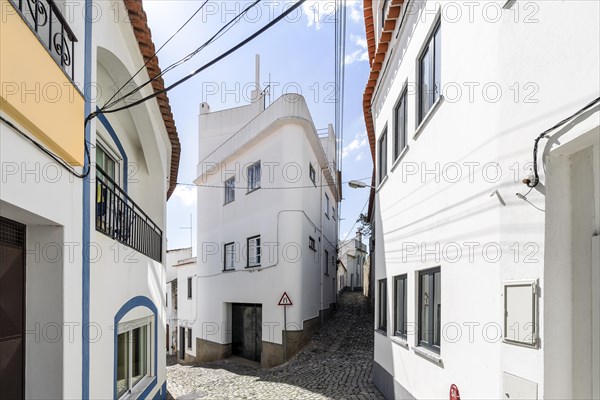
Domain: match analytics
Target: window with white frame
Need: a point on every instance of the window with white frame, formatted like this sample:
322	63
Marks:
229	252
382	306
383	155
311	243
133	354
400	126
254	176
107	162
312	173
189	287
430	308
400	306
333	213
230	190
326	206
430	73
326	262
253	251
189	338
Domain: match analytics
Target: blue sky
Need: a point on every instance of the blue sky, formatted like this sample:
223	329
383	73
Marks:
298	54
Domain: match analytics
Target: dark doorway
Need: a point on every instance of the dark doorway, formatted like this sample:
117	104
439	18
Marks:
182	343
12	309
167	338
246	321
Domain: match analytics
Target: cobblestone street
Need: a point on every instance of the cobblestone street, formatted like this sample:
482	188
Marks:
336	364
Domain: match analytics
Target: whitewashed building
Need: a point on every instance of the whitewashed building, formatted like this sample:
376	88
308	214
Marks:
353	255
486	264
174	258
267	224
83	211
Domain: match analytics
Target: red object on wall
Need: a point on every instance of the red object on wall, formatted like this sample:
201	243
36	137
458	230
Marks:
454	393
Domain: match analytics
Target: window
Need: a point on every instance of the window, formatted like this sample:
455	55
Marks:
400	126
383	155
333	213
311	243
430	308
189	338
189	287
229	252
382	306
107	163
254	176
326	262
253	251
312	173
230	190
400	306
133	350
430	73
383	9
326	206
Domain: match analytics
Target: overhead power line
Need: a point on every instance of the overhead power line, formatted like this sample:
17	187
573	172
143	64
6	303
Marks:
207	65
186	58
262	187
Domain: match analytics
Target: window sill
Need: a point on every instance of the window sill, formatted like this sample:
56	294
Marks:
383	181
381	332
400	341
252	266
428	116
428	355
228	270
253	190
138	389
228	202
400	157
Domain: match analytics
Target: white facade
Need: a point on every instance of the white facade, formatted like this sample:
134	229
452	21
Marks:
174	257
292	211
87	294
509	71
353	254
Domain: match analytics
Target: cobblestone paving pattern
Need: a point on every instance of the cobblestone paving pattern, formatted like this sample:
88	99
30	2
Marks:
336	364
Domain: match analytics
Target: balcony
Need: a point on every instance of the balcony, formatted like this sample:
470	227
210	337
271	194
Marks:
45	19
120	218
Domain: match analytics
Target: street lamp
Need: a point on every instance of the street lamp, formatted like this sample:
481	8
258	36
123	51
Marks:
358	185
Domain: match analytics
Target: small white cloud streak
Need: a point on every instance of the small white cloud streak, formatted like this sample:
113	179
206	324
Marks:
358	143
186	194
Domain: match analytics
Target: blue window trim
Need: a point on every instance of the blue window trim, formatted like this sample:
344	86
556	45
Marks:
138	301
86	218
102	118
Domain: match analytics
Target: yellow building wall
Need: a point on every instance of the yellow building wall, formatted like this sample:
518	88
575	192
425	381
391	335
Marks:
35	92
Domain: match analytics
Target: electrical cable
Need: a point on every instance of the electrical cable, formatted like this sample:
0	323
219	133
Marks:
536	177
186	58
56	158
266	188
156	52
210	63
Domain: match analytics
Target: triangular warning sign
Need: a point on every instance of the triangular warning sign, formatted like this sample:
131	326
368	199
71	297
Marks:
285	300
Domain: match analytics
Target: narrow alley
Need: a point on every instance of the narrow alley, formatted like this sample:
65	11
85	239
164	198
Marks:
336	364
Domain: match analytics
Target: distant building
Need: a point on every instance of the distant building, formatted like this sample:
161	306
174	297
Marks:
174	257
267	224
82	211
353	255
484	126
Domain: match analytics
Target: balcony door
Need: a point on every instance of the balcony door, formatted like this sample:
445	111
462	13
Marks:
12	309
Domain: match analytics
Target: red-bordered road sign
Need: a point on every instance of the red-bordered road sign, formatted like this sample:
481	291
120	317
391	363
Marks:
454	393
285	300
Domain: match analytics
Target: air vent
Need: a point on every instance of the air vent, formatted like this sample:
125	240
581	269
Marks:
12	232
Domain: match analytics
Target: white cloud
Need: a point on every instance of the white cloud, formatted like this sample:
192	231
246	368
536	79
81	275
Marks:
358	143
186	194
318	12
359	157
360	53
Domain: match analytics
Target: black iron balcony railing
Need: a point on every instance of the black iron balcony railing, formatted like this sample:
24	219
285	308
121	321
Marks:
52	29
118	217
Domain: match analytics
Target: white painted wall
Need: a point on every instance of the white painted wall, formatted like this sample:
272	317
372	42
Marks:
423	203
284	139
